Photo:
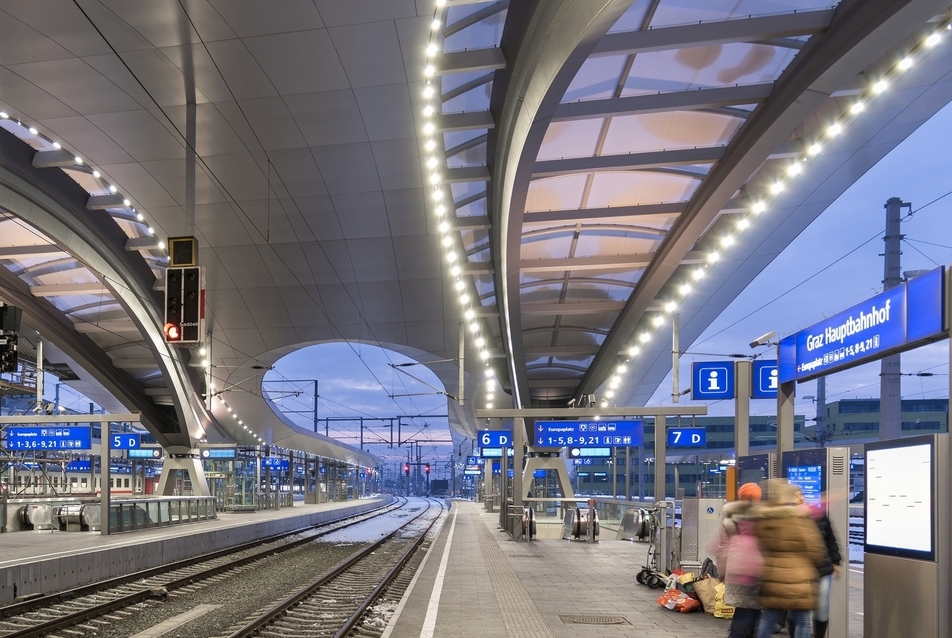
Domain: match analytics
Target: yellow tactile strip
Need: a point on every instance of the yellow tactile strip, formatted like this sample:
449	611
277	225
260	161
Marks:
520	615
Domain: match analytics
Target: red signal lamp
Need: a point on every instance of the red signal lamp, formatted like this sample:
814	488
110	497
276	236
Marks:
172	332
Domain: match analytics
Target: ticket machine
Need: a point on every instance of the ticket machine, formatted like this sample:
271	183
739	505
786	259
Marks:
756	468
823	475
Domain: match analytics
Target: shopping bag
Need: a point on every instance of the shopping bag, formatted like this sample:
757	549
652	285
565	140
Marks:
704	589
721	610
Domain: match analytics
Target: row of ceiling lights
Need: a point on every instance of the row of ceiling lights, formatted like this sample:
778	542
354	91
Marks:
80	163
760	206
431	92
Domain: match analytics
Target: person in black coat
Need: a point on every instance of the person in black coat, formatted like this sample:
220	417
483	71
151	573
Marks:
830	570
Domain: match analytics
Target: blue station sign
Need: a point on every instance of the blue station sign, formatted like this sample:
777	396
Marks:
765	379
687	437
588	433
125	441
274	463
897	319
494	438
49	438
712	380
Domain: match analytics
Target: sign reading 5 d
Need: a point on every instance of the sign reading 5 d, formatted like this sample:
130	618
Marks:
494	438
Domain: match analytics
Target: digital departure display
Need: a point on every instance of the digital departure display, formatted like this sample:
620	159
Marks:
900	489
809	478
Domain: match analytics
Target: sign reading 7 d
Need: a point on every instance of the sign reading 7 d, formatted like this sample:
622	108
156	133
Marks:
494	438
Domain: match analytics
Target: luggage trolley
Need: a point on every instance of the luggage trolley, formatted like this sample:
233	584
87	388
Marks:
663	536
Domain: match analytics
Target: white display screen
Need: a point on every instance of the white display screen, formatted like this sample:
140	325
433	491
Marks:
899	494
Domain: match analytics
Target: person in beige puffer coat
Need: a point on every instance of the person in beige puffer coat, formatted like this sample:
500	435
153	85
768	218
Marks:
793	552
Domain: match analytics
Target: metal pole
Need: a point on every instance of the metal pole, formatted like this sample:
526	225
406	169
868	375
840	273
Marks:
104	502
315	405
660	454
890	378
742	371
675	355
821	434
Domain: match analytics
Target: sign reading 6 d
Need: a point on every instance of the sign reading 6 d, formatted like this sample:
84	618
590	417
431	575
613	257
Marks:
494	438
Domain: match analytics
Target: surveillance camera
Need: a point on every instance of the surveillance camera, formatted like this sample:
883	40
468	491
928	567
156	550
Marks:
572	403
764	340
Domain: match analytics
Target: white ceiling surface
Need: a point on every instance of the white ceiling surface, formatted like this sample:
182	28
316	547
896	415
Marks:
310	205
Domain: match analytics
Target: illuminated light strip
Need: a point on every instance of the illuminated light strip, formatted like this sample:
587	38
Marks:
78	160
433	164
833	130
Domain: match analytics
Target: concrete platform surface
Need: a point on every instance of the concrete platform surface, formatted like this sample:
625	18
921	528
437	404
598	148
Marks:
475	581
49	561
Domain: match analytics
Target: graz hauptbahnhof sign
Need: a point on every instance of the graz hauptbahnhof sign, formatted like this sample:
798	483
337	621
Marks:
898	319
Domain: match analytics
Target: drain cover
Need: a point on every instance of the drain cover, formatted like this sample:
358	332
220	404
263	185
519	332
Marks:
594	620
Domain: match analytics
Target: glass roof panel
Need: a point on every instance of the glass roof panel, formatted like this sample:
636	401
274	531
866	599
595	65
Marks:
451	81
673	12
552	246
632	18
658	222
485	33
556	193
474	209
476	99
452	139
462	190
475	156
668	131
704	67
584	360
628	188
596	79
614	242
576	138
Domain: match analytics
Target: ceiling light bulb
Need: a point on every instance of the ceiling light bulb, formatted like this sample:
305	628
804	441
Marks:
434	178
905	64
743	223
428	91
431	162
489	405
430	145
795	169
621	369
96	174
834	130
447	241
4	115
933	40
857	108
33	131
126	202
470	314
431	48
614	383
776	187
455	270
460	284
685	289
814	149
880	87
203	351
150	230
644	337
140	217
437	194
441	210
57	146
436	24
444	226
698	273
464	298
670	306
161	245
427	110
428	128
657	321
112	188
633	351
78	159
473	326
713	257
480	342
429	70
727	241
451	256
483	354
609	393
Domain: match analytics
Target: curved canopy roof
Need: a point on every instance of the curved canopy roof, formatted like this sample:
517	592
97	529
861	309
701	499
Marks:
545	183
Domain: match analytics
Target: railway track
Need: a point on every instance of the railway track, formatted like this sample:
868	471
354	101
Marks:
335	603
84	607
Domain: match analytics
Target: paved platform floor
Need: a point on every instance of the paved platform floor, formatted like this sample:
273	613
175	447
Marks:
477	582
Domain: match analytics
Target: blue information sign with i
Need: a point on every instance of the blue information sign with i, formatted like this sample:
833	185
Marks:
712	380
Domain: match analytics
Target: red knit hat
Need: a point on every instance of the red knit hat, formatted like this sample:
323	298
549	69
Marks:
749	492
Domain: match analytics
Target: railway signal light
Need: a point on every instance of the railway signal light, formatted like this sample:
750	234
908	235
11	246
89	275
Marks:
426	468
184	305
406	469
8	352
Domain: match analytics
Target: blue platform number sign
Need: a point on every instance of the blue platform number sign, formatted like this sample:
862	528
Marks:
687	437
495	438
124	441
765	380
712	380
